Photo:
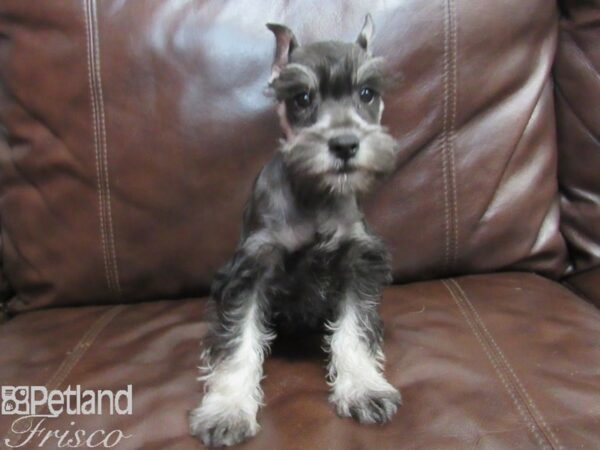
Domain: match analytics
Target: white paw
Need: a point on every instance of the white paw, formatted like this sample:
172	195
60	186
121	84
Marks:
370	406
218	428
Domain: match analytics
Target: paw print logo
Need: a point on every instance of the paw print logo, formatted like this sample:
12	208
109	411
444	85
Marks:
15	400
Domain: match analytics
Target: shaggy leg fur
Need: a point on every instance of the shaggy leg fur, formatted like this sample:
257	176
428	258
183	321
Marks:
356	361
233	361
355	370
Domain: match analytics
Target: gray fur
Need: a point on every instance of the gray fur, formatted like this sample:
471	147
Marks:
306	257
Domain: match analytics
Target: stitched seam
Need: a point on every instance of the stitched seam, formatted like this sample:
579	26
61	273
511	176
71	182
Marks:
95	80
95	116
444	144
104	148
69	363
452	17
521	409
520	387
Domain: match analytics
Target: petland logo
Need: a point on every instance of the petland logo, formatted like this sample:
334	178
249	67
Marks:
36	405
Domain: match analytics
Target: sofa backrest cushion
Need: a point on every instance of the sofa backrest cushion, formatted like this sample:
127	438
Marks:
133	132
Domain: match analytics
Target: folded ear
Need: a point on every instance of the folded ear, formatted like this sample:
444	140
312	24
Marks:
285	43
366	34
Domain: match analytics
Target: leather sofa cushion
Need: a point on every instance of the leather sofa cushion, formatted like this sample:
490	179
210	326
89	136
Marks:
132	132
487	361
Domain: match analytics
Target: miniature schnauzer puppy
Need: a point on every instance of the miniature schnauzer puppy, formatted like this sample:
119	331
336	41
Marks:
306	256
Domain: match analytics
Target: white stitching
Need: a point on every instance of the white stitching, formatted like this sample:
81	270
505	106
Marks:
73	357
497	367
450	76
110	228
444	143
509	367
100	146
89	42
452	126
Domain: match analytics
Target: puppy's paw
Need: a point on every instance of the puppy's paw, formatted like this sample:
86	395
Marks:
222	429
369	407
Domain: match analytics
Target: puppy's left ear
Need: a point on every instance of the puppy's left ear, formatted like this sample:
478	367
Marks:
285	43
366	34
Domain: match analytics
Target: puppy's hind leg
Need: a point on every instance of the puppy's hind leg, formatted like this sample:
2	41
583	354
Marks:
233	368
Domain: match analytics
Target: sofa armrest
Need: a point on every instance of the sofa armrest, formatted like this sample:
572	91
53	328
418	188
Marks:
586	284
577	94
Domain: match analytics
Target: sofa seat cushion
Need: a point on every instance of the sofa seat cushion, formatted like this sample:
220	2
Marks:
492	361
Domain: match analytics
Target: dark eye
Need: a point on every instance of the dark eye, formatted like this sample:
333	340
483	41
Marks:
366	95
302	100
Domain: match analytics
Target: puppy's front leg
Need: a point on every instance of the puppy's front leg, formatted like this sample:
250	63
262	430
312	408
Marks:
239	341
356	365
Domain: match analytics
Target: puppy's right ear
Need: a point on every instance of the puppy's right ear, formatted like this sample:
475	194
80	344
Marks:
285	43
366	34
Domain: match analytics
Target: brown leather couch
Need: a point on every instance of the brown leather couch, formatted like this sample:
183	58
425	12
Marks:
131	131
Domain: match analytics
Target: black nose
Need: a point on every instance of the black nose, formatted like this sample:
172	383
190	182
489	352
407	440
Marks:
344	146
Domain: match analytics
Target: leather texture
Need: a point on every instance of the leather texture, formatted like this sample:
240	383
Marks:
488	361
586	284
577	88
133	132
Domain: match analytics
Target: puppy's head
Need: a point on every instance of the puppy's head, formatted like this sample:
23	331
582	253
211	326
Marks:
330	107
